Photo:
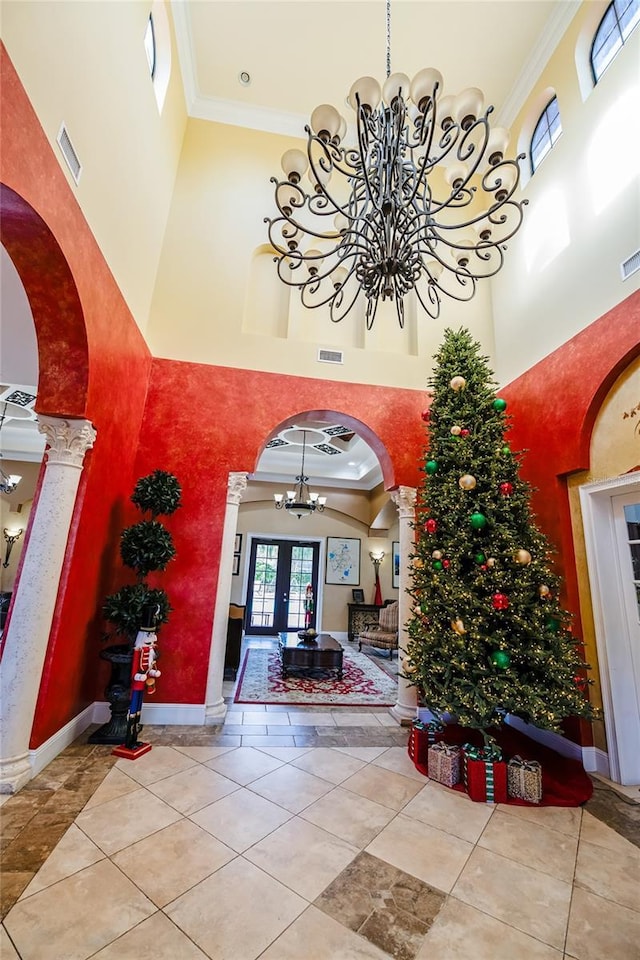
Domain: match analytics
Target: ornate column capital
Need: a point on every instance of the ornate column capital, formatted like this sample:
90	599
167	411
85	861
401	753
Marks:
68	440
236	486
405	500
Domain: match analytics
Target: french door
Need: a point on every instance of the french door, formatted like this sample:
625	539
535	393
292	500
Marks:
279	574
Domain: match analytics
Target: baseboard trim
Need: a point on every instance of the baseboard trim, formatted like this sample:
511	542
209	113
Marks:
596	760
171	714
49	750
547	738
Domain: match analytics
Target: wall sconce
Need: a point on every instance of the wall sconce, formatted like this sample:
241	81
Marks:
11	536
377	556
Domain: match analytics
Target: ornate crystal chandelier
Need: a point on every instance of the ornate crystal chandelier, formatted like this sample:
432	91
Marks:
301	501
423	201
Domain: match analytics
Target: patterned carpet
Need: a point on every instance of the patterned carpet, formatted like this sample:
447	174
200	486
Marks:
364	682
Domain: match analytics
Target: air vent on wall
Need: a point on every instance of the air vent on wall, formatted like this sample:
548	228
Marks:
330	356
630	265
69	153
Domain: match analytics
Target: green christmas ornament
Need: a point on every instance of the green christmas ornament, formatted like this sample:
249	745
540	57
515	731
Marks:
553	624
506	450
478	521
499	404
437	564
479	558
431	466
500	659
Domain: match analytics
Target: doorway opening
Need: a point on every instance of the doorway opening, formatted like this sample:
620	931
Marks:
280	574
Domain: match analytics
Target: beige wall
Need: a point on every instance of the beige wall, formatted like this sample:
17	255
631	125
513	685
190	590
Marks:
84	64
539	305
260	517
615	450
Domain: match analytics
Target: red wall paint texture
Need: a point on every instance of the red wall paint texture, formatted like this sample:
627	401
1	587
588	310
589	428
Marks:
202	422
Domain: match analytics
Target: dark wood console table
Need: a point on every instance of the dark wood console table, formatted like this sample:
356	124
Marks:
362	616
323	653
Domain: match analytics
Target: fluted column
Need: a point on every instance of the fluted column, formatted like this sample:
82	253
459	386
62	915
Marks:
27	636
215	707
405	500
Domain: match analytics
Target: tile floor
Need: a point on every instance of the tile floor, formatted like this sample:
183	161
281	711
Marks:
314	839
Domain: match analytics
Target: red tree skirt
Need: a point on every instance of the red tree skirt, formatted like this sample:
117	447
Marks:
564	781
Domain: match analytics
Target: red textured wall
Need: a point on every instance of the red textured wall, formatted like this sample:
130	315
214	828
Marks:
94	364
203	422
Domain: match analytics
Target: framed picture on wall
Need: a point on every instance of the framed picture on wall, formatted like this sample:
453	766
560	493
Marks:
235	570
395	564
237	544
343	561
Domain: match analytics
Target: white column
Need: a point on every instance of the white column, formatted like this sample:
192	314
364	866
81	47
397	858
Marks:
215	707
37	591
405	500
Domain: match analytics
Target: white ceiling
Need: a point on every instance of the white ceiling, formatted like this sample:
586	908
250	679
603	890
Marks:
306	52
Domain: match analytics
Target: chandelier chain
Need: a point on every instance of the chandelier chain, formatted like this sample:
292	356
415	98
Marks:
388	38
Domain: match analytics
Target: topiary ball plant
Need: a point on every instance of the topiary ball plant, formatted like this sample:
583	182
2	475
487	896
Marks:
159	494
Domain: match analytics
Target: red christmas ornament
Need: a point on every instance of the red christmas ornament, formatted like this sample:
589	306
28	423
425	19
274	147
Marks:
464	432
483	566
426	414
431	526
445	564
506	489
500	601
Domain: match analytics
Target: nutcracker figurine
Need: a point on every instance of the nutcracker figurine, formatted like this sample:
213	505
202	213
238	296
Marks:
143	677
308	606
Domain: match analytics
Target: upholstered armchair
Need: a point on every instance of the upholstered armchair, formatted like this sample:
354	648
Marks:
385	635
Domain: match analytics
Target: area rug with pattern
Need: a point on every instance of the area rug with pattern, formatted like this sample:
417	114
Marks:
364	683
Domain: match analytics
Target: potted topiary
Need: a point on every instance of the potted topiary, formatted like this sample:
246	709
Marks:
145	547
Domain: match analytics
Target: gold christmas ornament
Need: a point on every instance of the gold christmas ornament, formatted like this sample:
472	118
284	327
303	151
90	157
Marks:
409	667
543	590
456	430
437	555
523	557
457	383
491	561
458	626
467	482
418	563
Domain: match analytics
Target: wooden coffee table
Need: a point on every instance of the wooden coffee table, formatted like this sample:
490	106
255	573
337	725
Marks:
322	653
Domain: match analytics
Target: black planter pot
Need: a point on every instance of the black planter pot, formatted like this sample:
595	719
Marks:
118	693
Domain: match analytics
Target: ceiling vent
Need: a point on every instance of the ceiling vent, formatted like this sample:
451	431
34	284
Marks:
630	265
69	153
330	356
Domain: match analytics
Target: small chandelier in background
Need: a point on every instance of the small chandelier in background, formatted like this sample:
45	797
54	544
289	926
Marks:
376	218
8	481
301	501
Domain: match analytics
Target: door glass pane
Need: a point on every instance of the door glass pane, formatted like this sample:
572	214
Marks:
632	516
301	575
264	585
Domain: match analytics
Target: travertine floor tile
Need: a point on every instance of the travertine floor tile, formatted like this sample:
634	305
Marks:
7	949
302	856
78	916
596	832
460	931
159	763
285	753
348	816
215	913
290	787
383	786
115	784
533	902
563	819
173	860
539	847
193	788
421	850
450	811
74	852
398	760
327	938
121	822
609	873
329	764
244	765
601	930
154	939
202	754
241	819
362	753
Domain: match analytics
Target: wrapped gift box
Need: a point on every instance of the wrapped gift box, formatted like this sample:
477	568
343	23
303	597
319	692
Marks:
524	779
444	763
485	774
423	736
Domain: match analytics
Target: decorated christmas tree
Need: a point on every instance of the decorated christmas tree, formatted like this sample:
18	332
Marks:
488	634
